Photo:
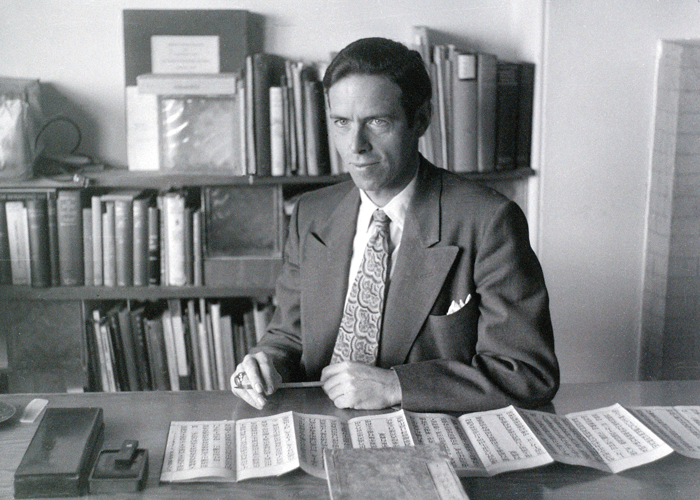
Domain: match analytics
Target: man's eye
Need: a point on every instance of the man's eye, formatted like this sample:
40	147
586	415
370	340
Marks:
340	122
379	123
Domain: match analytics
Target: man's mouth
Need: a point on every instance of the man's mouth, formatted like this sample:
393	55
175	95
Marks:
364	165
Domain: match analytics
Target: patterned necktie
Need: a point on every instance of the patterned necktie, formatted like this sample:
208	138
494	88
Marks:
358	336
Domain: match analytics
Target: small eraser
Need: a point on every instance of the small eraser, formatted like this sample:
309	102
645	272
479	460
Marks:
33	410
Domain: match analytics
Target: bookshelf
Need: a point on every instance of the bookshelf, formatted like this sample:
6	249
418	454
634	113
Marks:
46	328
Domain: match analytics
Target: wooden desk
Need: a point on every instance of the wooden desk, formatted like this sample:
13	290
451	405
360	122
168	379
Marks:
146	416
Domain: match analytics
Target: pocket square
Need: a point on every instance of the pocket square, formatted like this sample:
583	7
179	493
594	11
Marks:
456	306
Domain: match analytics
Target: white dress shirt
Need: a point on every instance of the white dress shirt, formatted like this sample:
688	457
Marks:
396	210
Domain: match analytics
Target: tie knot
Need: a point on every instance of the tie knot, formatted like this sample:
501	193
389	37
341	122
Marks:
381	219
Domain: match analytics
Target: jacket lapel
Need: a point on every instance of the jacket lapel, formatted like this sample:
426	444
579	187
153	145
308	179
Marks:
330	249
420	271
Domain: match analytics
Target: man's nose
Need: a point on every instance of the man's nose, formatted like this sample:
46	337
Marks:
358	141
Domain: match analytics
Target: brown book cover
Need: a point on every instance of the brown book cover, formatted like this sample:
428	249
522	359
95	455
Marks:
61	453
416	472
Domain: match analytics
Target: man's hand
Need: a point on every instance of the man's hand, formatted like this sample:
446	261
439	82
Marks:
262	377
360	386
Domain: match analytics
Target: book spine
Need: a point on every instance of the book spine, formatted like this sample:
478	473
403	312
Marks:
179	343
128	348
140	238
109	356
464	88
109	273
242	126
507	108
141	349
526	101
124	242
486	83
97	252
170	351
38	225
18	236
94	383
70	237
205	358
88	266
228	350
194	343
268	70
298	99
317	155
251	158
52	210
118	356
5	264
153	246
156	354
439	61
215	309
277	144
189	248
175	238
101	351
197	249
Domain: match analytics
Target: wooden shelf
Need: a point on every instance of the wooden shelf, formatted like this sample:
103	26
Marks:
62	293
120	178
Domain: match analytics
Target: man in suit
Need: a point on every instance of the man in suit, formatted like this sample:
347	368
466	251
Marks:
462	313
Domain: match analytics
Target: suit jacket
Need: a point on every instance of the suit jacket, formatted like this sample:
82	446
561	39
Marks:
459	239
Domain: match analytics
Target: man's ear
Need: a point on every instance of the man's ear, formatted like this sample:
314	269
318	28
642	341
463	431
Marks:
422	118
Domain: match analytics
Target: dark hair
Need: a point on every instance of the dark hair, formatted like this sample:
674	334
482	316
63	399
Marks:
384	57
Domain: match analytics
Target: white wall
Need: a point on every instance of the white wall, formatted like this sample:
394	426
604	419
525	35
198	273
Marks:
598	101
77	46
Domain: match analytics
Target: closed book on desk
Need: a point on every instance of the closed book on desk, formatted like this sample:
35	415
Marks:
58	460
415	472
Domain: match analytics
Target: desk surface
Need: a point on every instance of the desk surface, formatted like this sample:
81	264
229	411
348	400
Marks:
146	416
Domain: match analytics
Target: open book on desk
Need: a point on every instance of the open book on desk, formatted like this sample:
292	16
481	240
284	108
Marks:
479	444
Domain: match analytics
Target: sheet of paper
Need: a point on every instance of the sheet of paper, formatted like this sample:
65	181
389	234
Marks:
316	433
503	440
678	426
562	440
380	431
266	446
444	429
618	437
199	451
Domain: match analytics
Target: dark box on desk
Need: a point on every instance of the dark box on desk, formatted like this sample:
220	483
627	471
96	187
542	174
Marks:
58	460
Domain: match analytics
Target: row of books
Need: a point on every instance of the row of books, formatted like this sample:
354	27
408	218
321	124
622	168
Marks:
174	344
128	238
267	120
482	107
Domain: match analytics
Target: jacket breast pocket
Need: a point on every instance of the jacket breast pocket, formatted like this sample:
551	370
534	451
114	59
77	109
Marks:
448	336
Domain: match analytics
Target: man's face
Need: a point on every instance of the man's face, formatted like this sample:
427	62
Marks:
372	135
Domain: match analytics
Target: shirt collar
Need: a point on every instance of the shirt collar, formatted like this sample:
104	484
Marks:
396	208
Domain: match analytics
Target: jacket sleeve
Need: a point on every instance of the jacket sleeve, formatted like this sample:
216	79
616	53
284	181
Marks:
282	342
513	360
